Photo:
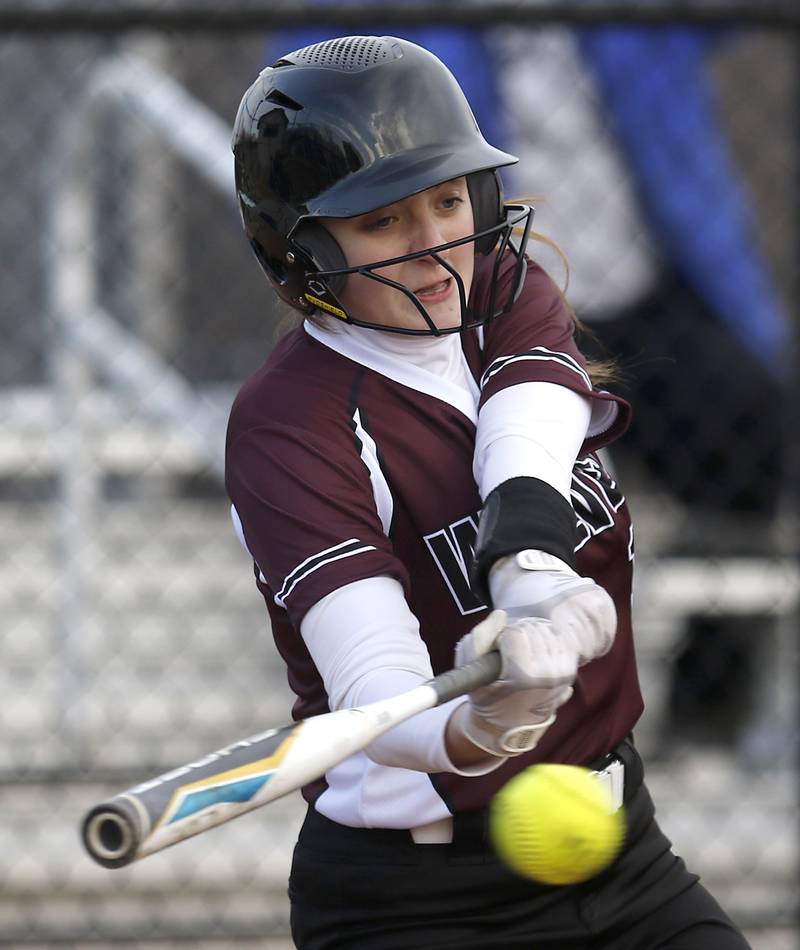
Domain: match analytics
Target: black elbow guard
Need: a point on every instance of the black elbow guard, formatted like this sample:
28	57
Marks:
519	514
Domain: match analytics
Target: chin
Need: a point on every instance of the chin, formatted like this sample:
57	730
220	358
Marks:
447	321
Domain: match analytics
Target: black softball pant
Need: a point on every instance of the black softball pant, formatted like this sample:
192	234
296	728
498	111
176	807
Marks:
360	889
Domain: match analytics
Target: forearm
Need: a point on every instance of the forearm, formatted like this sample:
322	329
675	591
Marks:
365	642
461	751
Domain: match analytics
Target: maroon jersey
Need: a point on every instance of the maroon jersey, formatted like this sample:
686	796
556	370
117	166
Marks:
340	471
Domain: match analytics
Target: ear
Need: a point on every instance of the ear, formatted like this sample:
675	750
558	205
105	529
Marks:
486	195
323	250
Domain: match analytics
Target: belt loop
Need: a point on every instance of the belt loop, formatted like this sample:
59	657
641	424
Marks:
612	778
435	832
627	752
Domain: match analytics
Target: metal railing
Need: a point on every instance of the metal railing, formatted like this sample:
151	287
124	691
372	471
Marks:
86	342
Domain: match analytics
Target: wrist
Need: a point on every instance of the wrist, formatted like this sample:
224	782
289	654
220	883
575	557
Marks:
461	750
519	578
519	514
499	739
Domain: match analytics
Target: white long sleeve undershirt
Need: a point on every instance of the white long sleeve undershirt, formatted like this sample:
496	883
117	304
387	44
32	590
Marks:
534	429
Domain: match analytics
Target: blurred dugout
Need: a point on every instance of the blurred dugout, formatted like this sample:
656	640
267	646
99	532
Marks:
133	637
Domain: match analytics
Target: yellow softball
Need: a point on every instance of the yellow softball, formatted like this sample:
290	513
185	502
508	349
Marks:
556	824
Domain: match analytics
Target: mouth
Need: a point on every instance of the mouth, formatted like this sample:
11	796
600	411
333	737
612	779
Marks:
433	293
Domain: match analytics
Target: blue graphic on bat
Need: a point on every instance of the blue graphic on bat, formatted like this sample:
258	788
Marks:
241	791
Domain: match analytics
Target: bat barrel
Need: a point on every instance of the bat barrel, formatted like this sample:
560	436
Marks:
194	797
111	835
186	800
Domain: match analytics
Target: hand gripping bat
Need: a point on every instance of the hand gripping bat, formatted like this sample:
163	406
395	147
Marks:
255	771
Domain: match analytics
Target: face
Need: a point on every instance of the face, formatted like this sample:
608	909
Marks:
433	217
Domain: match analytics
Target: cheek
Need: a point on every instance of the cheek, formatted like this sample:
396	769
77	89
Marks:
465	264
359	289
364	296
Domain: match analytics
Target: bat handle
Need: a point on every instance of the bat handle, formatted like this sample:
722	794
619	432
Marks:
464	679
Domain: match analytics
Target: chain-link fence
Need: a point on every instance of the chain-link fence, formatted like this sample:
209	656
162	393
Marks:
663	153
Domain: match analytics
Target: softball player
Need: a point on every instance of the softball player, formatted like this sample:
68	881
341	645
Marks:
419	450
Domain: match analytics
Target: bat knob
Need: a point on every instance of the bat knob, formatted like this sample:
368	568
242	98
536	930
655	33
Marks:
109	837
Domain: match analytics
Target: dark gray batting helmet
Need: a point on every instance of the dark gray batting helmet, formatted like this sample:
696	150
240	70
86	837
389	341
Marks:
350	125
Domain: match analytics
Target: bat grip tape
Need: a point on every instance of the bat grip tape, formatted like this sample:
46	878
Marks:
480	672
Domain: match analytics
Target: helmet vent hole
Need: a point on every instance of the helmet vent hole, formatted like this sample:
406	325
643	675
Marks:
348	54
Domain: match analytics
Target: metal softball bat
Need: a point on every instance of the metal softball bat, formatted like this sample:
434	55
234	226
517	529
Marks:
255	771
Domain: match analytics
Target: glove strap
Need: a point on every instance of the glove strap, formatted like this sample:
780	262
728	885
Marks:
532	560
513	741
524	738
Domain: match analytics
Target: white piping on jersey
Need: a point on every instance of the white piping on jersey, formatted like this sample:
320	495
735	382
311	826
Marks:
604	411
316	561
239	529
380	487
537	353
435	366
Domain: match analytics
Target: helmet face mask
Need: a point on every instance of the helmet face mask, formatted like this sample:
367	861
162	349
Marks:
324	286
345	127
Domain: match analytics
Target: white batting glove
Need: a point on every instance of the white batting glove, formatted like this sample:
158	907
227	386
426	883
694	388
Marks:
535	584
509	716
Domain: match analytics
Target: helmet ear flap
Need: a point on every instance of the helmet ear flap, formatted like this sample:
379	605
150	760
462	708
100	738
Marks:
318	244
486	195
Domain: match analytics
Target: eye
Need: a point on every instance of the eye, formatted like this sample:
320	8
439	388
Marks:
381	224
452	202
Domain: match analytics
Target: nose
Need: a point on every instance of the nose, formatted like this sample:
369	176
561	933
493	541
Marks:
427	232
